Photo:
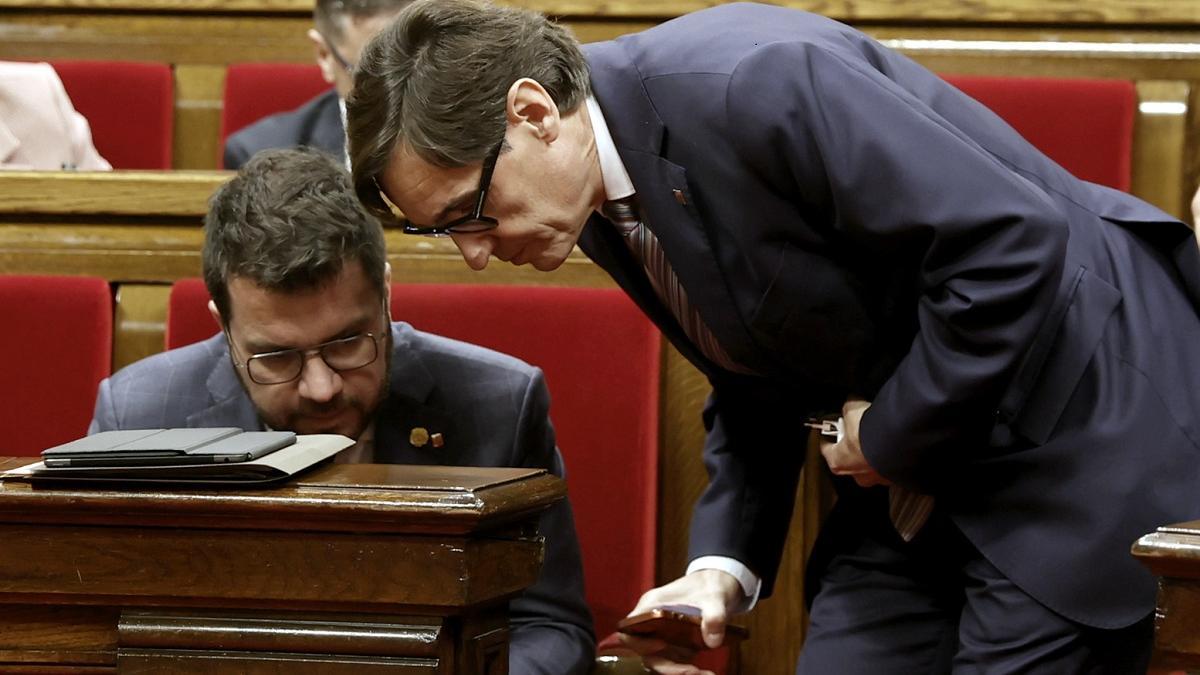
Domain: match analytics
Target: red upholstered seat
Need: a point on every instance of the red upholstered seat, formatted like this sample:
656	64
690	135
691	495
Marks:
57	342
1085	125
601	360
130	107
255	90
188	319
600	356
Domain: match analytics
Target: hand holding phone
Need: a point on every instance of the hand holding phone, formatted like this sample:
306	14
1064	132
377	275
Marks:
677	625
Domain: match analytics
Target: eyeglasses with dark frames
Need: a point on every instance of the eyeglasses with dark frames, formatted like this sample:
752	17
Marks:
286	365
472	222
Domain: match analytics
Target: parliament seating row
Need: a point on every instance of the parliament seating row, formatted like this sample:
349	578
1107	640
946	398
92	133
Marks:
130	105
600	355
1086	125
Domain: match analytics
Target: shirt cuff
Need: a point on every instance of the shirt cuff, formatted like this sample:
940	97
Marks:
749	581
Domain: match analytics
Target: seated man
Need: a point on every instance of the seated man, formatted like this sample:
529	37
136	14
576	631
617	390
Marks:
342	29
300	286
39	128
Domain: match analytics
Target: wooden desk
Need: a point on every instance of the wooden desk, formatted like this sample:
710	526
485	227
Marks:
1173	554
352	568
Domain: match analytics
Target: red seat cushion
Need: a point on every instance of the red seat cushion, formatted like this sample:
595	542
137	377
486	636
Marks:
130	107
255	90
1084	125
601	357
58	340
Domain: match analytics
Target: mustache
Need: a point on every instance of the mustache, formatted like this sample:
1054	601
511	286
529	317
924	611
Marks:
314	409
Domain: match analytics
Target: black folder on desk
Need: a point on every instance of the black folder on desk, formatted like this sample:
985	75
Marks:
171	465
163	447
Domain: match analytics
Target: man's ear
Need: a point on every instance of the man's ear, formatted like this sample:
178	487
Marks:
321	53
530	104
212	309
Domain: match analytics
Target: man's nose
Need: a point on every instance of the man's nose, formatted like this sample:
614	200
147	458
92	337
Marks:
475	249
319	382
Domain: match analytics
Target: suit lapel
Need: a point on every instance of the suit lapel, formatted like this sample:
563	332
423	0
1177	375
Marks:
667	205
605	246
232	406
407	408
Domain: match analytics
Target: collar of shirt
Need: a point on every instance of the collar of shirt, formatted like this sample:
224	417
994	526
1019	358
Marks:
345	135
617	183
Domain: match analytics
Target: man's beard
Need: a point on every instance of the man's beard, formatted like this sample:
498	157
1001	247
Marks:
295	420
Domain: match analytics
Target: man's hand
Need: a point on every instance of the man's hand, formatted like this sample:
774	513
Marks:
716	593
845	457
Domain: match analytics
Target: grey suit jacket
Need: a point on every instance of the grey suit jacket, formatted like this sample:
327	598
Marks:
492	409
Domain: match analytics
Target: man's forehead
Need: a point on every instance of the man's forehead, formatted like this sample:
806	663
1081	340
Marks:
420	188
281	317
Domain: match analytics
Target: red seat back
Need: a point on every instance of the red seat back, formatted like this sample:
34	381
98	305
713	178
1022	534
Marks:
58	340
1084	125
255	90
601	360
188	318
129	106
601	357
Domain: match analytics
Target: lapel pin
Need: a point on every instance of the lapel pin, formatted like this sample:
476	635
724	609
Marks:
437	440
418	437
679	197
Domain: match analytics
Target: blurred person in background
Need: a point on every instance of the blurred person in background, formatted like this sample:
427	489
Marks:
341	29
39	128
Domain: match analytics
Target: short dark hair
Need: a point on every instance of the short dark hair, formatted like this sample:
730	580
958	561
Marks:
288	221
329	14
437	80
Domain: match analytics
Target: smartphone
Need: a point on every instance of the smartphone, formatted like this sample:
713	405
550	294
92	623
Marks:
677	625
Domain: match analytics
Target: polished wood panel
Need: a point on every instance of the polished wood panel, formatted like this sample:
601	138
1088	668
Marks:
162	194
1173	554
139	322
199	100
1161	171
1000	11
349	568
183	6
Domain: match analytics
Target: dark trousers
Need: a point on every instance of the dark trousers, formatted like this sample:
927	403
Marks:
936	605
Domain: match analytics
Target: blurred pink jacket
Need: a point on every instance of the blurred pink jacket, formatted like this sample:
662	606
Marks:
39	128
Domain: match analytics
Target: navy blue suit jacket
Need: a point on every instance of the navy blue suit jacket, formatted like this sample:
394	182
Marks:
849	224
317	124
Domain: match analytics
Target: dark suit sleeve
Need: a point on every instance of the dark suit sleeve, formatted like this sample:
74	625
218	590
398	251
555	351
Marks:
104	417
895	181
753	455
551	625
236	153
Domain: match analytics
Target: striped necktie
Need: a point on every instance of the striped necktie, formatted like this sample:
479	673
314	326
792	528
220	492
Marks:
908	510
646	250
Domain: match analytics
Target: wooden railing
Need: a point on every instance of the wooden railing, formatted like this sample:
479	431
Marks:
1147	41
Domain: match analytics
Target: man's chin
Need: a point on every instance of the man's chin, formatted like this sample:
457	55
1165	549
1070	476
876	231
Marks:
549	260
